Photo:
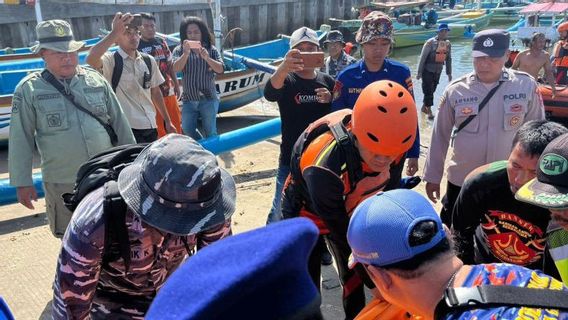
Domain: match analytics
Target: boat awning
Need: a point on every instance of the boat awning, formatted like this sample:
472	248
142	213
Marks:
546	7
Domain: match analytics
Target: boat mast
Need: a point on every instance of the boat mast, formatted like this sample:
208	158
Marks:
217	25
37	8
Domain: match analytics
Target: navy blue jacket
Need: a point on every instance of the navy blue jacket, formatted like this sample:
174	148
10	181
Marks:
355	77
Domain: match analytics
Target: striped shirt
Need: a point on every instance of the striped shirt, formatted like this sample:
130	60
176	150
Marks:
198	79
85	287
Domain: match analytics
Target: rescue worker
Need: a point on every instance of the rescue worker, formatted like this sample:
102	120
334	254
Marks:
436	53
338	59
512	99
560	54
376	36
340	160
65	135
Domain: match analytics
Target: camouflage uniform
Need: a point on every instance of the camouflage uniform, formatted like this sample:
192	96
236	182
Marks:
334	67
85	287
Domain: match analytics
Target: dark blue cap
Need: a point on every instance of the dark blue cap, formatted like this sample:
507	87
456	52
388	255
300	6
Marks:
443	26
261	274
334	36
490	43
5	313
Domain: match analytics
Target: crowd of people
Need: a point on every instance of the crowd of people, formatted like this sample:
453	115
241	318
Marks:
155	240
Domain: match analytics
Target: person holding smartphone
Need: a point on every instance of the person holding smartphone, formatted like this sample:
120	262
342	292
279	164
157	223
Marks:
303	94
199	61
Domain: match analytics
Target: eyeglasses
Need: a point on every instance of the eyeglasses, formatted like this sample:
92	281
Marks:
149	26
133	33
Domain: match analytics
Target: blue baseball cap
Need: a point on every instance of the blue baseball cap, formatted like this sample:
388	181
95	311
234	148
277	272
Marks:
380	230
260	274
443	26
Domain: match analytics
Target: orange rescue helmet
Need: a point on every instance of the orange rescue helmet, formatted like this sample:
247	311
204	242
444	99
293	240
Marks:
384	119
563	27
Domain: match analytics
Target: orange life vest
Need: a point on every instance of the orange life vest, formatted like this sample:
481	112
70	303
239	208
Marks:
561	54
318	142
442	51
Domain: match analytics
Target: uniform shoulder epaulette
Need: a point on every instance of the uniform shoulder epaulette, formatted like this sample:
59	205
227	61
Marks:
398	64
32	76
350	67
459	79
88	67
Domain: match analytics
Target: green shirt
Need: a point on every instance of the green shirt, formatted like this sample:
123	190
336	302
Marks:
65	136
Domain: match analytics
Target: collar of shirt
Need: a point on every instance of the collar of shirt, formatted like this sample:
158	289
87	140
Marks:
363	67
338	58
506	75
125	55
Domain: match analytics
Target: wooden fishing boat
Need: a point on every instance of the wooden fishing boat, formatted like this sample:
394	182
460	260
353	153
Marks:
479	18
26	53
237	86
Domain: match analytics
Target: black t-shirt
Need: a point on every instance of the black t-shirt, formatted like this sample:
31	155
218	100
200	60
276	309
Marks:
297	102
502	228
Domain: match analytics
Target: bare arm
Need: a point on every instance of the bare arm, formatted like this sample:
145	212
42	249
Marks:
158	101
549	74
517	62
180	62
119	23
173	75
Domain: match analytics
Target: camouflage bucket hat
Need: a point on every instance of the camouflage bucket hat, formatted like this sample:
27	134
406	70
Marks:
56	35
376	25
177	186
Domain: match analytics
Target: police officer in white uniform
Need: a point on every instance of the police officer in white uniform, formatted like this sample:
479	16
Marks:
488	135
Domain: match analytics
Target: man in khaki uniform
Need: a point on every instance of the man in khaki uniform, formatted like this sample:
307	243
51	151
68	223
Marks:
65	136
488	137
138	89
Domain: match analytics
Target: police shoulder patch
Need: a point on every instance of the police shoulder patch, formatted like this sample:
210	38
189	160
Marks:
337	90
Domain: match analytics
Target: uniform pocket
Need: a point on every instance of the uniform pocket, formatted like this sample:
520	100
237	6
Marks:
97	104
462	112
52	115
514	115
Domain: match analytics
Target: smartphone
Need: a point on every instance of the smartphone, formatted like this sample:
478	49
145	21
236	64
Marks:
312	59
194	44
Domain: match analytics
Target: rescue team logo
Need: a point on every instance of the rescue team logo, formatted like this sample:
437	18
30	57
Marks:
553	164
337	90
512	239
488	43
305	98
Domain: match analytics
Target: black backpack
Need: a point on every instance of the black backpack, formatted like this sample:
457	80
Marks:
119	65
102	170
